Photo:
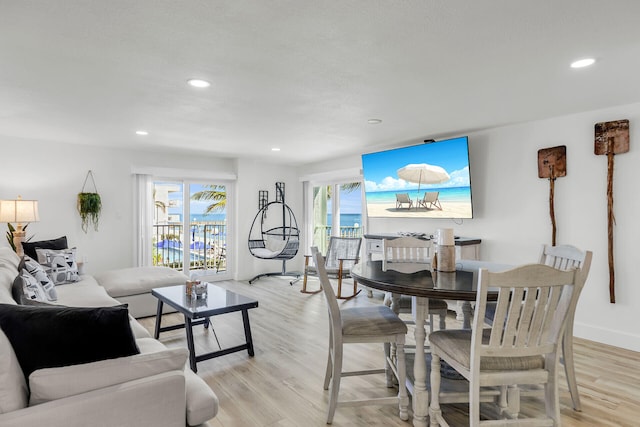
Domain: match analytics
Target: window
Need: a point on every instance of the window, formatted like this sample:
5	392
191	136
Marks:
185	224
198	209
336	211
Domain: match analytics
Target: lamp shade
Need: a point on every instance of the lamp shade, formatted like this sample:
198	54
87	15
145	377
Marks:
19	211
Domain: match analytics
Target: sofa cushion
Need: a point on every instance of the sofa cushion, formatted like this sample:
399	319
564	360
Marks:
56	383
29	248
138	280
60	265
40	275
85	293
13	387
44	337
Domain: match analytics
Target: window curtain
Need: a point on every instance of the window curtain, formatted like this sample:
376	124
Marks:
143	211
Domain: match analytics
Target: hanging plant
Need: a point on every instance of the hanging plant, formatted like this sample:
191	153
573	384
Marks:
89	205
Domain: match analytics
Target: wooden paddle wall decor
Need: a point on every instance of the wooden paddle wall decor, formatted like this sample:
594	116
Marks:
611	138
552	163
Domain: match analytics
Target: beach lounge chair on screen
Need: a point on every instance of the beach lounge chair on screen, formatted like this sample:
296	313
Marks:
403	198
430	200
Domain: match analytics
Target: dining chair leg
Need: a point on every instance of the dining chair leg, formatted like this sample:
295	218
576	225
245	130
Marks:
551	399
388	355
329	371
335	382
435	413
569	367
474	404
403	396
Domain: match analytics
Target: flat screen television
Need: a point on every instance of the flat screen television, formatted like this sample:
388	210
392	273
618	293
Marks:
429	180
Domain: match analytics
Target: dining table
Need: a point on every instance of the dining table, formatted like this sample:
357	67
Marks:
421	285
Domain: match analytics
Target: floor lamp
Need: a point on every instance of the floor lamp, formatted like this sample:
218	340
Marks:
19	212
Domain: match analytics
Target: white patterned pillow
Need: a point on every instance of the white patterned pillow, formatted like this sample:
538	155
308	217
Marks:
60	265
41	276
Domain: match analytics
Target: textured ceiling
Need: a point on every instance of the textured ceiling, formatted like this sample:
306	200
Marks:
302	75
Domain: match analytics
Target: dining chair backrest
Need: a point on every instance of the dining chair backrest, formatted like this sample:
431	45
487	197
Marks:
345	248
531	310
406	250
330	296
565	257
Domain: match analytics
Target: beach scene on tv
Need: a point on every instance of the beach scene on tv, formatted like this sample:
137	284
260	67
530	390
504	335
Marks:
429	180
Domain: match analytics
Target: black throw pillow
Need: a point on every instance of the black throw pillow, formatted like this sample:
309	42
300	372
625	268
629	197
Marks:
54	336
30	247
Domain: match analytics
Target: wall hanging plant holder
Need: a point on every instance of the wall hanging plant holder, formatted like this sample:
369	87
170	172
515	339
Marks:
611	138
552	164
89	204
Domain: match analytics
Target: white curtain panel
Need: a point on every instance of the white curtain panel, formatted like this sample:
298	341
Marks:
143	221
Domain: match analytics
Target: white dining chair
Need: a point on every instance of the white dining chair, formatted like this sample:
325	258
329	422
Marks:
408	255
563	257
373	324
566	257
520	347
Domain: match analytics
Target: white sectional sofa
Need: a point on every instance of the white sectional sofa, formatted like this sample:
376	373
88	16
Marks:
152	388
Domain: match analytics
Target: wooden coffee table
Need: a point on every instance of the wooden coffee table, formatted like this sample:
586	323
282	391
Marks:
198	311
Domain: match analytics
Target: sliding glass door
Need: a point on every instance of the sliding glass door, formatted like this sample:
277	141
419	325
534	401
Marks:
337	211
189	230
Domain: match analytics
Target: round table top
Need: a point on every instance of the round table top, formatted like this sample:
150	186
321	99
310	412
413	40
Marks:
458	285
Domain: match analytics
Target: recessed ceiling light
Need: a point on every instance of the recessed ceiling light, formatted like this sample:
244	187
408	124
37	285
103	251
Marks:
198	83
275	149
583	63
142	132
374	121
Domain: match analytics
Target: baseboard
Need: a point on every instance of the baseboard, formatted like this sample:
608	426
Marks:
607	336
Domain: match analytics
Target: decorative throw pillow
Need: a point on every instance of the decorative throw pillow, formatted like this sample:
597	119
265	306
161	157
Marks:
60	265
54	336
41	276
26	289
30	247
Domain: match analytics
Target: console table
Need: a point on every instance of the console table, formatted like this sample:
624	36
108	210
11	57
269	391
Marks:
466	248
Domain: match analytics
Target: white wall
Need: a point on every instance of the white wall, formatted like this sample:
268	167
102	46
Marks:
254	175
511	210
53	174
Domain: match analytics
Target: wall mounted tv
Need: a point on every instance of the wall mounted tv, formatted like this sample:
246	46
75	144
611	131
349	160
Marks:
429	180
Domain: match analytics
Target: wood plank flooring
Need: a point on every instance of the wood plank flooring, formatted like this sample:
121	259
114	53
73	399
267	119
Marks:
282	385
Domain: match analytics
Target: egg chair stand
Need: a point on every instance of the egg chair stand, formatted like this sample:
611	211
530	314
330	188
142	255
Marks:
277	242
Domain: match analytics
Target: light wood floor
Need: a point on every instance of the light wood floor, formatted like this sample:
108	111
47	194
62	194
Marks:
282	385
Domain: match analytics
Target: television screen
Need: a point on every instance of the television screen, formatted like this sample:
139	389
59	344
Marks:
429	180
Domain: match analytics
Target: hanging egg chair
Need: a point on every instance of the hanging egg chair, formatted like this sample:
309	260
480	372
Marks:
275	235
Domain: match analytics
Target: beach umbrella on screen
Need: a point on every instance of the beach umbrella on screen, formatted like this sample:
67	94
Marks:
423	173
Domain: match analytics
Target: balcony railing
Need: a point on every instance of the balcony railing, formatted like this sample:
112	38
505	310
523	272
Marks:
207	250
